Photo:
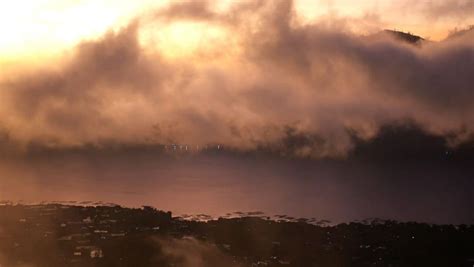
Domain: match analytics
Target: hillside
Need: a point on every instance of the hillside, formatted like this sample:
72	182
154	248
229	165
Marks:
60	235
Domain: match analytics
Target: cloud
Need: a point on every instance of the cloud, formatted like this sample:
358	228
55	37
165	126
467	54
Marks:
206	11
190	252
272	82
459	9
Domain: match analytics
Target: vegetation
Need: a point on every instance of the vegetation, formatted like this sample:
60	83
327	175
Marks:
63	235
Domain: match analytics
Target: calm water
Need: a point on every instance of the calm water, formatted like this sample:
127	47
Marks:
219	184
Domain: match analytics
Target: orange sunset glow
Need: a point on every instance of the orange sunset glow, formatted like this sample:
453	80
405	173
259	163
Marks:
206	133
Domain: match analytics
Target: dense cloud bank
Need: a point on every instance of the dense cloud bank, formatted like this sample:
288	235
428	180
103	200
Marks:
272	79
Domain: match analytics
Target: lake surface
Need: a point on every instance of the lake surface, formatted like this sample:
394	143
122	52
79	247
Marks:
218	184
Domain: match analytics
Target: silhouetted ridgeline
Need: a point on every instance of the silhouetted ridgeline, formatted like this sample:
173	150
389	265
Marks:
405	36
61	235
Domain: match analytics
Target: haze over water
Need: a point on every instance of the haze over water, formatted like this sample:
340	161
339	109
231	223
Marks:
291	89
222	183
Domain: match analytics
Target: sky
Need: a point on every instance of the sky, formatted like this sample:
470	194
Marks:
300	84
48	26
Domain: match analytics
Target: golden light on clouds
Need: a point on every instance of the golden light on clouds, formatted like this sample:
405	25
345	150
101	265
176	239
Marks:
153	72
182	39
44	27
36	28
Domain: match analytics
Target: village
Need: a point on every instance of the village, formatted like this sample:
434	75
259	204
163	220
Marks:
101	234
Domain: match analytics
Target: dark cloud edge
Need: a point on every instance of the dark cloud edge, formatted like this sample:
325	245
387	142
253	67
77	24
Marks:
289	144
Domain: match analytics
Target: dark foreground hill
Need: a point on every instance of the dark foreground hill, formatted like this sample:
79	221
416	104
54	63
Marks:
60	235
